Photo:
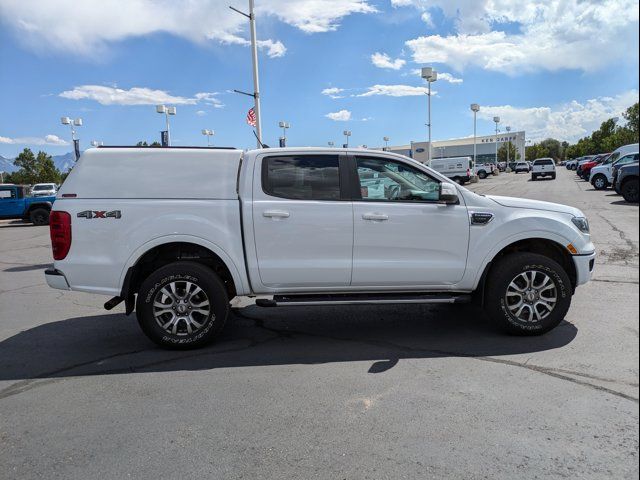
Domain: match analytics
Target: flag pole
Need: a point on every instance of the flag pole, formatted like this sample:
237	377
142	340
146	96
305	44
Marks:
256	80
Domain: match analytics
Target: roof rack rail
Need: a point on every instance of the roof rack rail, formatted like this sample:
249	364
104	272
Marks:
176	147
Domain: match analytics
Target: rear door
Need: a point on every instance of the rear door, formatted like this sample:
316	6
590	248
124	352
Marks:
303	221
403	237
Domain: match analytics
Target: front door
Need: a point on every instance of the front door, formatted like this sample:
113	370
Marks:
303	221
402	236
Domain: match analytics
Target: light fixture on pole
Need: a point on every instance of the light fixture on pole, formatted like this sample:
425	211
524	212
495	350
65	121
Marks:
430	75
284	126
256	80
497	121
209	134
166	111
386	143
347	134
508	129
74	141
96	143
331	144
475	108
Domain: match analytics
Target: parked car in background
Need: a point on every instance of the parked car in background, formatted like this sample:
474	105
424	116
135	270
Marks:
521	167
627	182
457	169
15	202
626	160
512	165
44	190
502	166
543	167
307	227
483	170
604	171
584	170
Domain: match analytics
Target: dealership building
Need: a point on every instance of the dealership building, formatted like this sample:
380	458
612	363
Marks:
463	147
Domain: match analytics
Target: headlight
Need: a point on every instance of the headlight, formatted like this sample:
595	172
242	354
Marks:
582	224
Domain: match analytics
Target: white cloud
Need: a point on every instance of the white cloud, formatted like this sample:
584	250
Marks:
333	92
53	140
569	121
447	77
341	116
137	96
382	60
90	27
550	34
201	113
394	91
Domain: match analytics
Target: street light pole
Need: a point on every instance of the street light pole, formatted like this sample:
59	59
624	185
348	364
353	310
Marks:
386	143
167	111
430	75
497	120
72	123
347	134
209	134
284	126
475	108
508	129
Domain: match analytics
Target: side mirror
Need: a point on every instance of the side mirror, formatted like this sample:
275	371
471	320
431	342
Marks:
448	194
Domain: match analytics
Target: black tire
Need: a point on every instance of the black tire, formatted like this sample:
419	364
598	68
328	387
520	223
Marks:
630	190
482	174
39	216
553	176
507	271
179	273
534	178
600	182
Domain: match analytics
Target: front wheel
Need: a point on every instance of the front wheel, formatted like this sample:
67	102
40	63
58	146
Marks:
630	191
182	305
482	174
527	294
599	182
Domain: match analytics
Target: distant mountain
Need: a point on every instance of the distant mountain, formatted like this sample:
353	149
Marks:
64	162
6	165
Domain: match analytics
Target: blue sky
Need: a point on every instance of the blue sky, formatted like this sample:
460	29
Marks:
553	68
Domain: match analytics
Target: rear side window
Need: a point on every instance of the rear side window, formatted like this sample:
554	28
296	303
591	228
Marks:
303	177
7	194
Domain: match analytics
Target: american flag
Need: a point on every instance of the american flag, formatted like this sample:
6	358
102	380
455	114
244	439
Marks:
251	117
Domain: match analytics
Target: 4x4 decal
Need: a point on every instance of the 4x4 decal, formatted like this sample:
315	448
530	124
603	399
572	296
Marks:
99	214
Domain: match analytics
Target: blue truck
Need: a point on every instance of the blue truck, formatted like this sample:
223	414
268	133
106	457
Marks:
15	202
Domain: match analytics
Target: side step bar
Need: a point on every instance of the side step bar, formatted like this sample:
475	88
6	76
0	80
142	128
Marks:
362	299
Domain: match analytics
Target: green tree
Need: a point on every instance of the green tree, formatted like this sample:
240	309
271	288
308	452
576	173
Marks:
551	148
513	152
145	144
631	116
35	169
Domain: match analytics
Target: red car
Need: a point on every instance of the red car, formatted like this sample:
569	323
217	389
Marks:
584	170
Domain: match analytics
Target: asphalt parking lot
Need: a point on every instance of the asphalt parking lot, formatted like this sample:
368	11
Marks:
334	392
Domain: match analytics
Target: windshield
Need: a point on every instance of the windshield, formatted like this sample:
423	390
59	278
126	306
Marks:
43	187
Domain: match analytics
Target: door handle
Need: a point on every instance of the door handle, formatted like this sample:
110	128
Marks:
375	216
275	214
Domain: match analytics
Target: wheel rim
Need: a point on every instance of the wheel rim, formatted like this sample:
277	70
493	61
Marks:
181	308
599	182
39	218
531	296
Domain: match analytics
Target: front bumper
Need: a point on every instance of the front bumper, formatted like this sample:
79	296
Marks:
585	265
56	279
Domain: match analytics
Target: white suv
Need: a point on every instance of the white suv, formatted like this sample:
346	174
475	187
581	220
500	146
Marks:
543	167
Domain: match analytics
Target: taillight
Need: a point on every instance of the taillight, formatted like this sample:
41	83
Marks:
60	230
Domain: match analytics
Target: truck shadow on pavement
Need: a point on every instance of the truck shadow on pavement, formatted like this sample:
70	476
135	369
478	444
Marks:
255	336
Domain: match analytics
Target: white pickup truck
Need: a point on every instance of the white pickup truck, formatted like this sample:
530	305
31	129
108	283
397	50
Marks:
176	233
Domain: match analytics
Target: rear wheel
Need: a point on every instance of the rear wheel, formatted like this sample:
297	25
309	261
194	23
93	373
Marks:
599	182
482	174
527	294
182	305
533	178
630	190
39	216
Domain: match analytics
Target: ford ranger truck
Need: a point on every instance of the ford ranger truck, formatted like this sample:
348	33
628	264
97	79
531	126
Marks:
176	233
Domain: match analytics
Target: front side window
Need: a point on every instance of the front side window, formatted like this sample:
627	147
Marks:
302	177
386	180
628	159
